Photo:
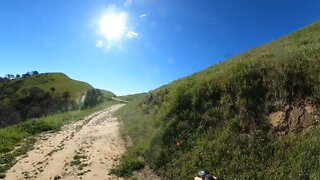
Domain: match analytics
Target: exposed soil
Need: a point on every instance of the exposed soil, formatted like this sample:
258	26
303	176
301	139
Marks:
86	149
295	117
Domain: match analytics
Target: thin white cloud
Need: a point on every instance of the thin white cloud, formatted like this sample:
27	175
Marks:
142	15
99	44
128	3
132	34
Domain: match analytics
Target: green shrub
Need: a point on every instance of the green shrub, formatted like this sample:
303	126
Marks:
129	164
216	119
10	137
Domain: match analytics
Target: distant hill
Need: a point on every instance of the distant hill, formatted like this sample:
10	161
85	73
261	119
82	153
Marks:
255	116
34	95
107	94
45	81
132	97
59	81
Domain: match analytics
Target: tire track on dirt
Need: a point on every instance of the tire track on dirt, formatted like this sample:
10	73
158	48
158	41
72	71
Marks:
86	149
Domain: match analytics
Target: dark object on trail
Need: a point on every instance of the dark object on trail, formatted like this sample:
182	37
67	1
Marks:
209	177
205	175
203	172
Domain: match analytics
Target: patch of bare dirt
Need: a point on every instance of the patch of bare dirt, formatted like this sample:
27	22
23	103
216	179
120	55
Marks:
86	149
296	117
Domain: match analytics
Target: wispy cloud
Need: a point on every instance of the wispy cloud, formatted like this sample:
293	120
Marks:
132	34
143	15
128	3
99	44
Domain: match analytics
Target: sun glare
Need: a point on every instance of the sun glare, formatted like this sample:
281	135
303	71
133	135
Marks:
113	25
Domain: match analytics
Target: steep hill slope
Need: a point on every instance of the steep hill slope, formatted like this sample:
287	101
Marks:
59	81
35	95
107	94
254	116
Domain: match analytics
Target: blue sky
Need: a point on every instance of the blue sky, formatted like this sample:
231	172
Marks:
162	40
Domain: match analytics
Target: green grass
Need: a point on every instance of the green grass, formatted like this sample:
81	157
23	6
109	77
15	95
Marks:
7	160
59	81
45	81
131	97
12	135
107	94
216	118
22	134
130	163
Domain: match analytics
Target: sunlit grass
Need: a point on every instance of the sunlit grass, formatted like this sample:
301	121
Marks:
216	118
11	136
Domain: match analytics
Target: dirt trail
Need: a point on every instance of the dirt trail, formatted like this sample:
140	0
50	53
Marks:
86	149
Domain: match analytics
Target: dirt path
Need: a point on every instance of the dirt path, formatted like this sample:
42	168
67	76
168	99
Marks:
86	149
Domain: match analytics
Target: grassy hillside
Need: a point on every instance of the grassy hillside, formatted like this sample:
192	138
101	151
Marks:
132	96
107	94
254	116
36	95
61	82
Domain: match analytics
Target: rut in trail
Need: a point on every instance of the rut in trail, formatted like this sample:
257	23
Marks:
86	149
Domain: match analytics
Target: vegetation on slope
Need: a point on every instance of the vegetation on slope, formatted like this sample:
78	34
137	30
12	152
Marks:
132	96
41	102
46	81
23	134
107	94
218	118
33	95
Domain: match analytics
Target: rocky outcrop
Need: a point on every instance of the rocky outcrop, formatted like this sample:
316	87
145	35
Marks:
295	117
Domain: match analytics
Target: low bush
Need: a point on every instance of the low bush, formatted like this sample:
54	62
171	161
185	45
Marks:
130	163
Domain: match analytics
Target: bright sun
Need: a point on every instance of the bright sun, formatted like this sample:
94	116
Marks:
113	25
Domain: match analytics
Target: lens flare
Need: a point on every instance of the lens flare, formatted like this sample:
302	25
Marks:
113	25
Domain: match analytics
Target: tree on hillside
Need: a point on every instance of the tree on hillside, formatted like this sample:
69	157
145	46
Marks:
36	93
34	72
18	76
10	76
26	75
66	101
66	95
93	97
52	89
8	116
31	103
